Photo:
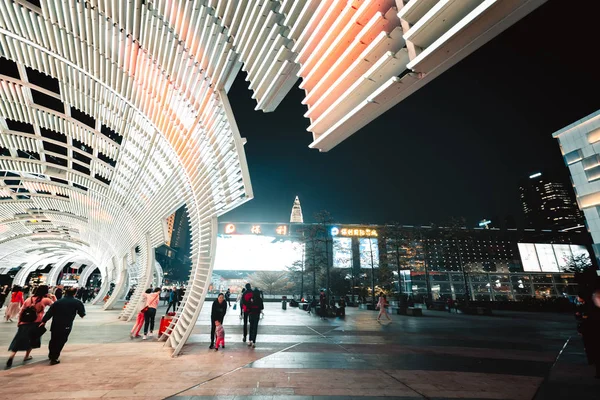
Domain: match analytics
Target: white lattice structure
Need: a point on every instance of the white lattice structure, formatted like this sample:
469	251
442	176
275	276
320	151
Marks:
113	114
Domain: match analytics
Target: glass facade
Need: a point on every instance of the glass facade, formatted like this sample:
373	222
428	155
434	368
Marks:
493	287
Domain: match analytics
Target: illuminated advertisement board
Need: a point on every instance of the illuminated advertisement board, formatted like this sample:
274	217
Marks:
242	228
542	257
529	257
563	254
256	253
546	256
342	252
369	253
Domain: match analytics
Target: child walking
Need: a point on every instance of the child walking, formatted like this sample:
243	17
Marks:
220	331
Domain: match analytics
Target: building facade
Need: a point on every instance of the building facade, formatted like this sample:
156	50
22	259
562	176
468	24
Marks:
580	147
549	203
426	262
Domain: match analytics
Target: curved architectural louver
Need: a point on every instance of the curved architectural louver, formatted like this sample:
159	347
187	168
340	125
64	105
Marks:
113	114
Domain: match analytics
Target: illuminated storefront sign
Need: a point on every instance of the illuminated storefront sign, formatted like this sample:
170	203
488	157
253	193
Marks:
353	232
282	230
255	229
230	228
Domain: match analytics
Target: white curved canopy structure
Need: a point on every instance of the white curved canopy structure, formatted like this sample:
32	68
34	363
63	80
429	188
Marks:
113	114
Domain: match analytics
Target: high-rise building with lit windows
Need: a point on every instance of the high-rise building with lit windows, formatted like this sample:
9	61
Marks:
549	203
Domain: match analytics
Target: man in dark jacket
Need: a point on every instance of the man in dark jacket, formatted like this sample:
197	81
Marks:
62	313
256	308
58	293
246	303
219	309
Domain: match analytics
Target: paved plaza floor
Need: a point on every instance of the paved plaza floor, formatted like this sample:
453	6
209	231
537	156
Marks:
299	357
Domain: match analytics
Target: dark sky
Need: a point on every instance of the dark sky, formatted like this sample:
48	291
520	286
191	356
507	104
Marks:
456	147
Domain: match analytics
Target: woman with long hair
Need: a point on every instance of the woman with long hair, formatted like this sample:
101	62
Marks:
382	304
139	322
16	301
26	338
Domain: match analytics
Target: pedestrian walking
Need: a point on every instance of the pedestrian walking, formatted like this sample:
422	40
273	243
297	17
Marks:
85	295
246	303
165	297
3	294
238	301
256	308
58	292
62	313
381	305
342	309
139	322
28	332
217	313
227	297
322	305
151	305
16	301
172	300
220	332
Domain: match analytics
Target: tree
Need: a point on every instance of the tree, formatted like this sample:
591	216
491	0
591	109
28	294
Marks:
316	241
324	220
585	274
397	244
295	273
271	282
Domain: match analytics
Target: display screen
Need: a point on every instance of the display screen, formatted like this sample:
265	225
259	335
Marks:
369	253
342	252
546	257
541	257
256	253
529	257
563	254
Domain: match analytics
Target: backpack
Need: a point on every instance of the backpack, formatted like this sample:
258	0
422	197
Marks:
29	314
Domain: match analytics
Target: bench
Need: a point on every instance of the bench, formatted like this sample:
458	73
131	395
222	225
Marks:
415	312
477	310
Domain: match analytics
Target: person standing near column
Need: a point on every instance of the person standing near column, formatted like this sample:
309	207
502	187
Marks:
62	313
255	310
16	301
227	297
152	303
218	311
246	303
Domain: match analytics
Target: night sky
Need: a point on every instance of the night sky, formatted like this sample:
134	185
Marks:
457	147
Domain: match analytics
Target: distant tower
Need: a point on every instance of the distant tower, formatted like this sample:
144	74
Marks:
296	217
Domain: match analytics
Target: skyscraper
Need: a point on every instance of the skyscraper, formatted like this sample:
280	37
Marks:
296	217
549	203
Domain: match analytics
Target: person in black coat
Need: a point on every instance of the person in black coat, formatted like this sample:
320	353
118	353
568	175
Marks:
256	308
219	309
58	292
63	313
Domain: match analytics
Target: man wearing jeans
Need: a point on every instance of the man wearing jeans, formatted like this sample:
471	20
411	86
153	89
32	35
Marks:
152	304
62	313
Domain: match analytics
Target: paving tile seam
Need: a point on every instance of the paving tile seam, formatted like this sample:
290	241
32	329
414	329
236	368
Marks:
546	378
229	372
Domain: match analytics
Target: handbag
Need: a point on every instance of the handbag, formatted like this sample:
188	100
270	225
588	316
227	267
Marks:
235	307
